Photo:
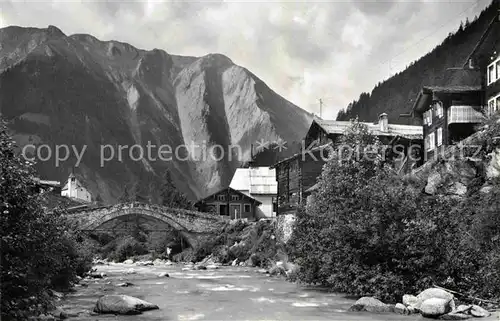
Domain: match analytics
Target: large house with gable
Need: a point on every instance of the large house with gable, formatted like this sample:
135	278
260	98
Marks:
258	182
297	175
453	112
229	204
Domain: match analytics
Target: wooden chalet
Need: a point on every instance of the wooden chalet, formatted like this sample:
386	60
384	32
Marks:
449	114
452	112
297	175
485	58
229	203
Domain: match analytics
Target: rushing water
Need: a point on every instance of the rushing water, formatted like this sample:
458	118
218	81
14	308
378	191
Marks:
229	293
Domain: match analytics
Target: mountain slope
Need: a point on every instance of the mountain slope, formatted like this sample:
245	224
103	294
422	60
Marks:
397	94
79	91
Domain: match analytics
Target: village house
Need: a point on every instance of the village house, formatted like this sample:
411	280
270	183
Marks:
297	175
485	57
448	114
76	190
452	112
260	184
230	204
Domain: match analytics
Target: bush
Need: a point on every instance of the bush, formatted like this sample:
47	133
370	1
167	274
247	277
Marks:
185	256
371	233
38	253
128	247
248	242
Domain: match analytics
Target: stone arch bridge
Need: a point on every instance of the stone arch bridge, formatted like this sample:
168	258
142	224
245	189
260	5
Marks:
192	225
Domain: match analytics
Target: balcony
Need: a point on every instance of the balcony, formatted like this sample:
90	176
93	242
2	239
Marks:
465	115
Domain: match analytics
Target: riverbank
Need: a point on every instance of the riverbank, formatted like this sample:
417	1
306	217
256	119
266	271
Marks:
225	293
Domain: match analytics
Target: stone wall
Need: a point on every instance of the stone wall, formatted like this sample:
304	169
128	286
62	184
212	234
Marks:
462	167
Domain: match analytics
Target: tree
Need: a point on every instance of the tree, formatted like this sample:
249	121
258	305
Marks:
171	196
368	232
38	252
461	28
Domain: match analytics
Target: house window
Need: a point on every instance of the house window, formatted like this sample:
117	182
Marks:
493	105
428	117
440	136
494	71
439	109
491	70
430	141
235	197
247	208
221	197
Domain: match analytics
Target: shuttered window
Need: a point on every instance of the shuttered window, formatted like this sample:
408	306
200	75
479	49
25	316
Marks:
440	136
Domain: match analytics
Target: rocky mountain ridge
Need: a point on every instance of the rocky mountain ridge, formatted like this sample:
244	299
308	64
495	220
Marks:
77	90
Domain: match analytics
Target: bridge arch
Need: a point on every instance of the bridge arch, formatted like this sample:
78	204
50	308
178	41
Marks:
192	225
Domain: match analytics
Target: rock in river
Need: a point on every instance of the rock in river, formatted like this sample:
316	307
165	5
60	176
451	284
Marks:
122	304
371	304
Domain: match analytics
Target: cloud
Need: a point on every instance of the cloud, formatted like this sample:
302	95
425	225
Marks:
303	50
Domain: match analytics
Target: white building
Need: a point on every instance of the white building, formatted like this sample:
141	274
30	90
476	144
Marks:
259	183
75	189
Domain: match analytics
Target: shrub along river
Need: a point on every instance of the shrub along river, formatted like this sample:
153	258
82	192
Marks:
228	293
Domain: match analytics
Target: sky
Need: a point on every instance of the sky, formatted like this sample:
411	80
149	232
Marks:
303	50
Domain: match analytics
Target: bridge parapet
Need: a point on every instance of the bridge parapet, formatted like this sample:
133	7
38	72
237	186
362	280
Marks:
181	219
152	207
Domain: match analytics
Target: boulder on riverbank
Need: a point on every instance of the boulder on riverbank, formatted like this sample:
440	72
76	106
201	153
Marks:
371	304
435	307
413	303
122	304
440	304
436	293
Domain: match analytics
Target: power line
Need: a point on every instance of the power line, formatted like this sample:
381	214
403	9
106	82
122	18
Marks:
429	35
401	52
417	42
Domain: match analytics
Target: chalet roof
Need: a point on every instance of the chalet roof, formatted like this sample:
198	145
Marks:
339	127
427	91
241	180
451	89
462	77
255	180
312	150
312	188
224	190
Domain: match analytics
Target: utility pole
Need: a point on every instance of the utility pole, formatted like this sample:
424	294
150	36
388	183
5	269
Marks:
320	107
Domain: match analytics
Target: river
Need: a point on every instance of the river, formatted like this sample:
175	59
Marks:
228	293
